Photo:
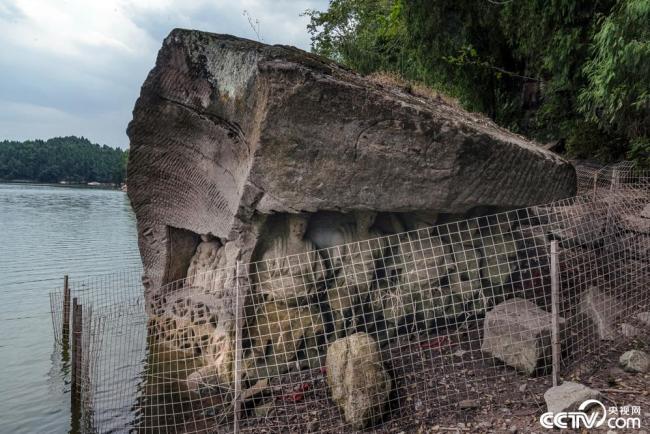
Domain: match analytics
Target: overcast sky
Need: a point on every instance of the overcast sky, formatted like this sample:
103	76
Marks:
75	67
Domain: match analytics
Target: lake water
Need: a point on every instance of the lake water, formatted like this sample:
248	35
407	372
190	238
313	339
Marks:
45	232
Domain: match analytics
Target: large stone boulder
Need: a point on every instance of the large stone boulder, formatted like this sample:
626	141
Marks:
240	151
519	333
359	384
227	130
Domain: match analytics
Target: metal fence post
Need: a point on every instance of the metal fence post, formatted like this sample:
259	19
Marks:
238	349
555	311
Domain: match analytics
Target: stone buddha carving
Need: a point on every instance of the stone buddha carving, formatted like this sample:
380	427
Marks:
353	266
203	272
290	268
413	288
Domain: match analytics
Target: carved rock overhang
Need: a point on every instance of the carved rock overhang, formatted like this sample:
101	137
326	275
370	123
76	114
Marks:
227	131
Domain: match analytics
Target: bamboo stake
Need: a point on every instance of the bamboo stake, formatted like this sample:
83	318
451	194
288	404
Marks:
77	324
555	306
238	349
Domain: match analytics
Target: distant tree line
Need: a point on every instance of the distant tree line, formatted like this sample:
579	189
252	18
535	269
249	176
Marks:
570	71
71	159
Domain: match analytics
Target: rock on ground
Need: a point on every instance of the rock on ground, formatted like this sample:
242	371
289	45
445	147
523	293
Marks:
568	396
644	317
630	331
635	361
645	212
602	309
519	333
359	383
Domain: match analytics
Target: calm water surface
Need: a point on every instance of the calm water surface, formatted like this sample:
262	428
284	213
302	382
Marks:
46	232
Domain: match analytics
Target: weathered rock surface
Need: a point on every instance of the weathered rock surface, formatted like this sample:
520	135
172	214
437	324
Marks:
635	361
279	332
568	396
645	212
644	317
636	224
630	331
518	333
227	129
359	384
603	309
239	151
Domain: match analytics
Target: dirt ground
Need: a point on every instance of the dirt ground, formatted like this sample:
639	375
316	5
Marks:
456	391
519	410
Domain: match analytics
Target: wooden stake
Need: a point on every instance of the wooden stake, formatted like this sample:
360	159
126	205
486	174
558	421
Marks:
238	348
77	328
555	311
66	312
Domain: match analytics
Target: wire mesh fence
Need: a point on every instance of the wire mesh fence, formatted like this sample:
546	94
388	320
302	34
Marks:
383	333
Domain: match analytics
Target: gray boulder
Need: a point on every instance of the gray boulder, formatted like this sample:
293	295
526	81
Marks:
568	396
635	361
519	333
603	309
359	384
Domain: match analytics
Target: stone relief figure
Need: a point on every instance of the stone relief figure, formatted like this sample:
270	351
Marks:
291	268
185	318
205	266
413	287
279	334
353	266
185	321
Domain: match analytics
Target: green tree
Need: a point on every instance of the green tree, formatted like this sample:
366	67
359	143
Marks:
617	97
73	159
574	70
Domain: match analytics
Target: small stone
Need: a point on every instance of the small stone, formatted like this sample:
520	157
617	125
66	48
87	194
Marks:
313	426
263	410
513	429
468	403
209	412
645	212
644	317
629	331
635	361
460	353
568	396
